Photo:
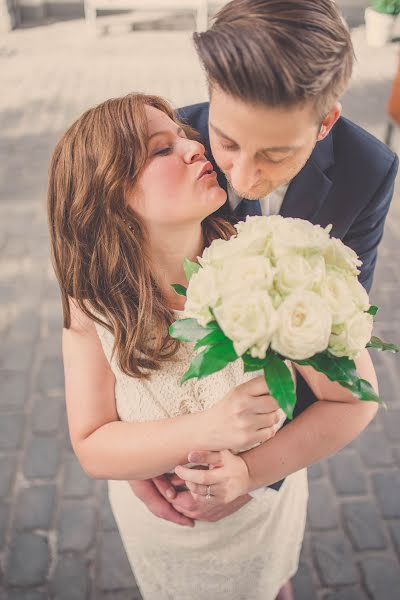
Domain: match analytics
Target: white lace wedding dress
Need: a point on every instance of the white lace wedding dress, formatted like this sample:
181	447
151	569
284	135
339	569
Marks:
248	555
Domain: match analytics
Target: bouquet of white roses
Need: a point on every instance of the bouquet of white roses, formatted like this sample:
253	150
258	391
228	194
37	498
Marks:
281	288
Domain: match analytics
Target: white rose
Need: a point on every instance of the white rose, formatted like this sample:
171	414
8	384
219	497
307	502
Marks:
219	251
202	293
249	320
360	295
254	234
352	337
245	275
297	272
336	292
342	257
292	236
304	326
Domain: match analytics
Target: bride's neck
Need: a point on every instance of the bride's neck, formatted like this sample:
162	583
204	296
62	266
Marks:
168	249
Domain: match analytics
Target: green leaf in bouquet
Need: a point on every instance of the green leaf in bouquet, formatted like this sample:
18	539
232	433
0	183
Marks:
336	369
211	360
211	339
188	330
252	364
190	268
363	390
378	344
343	371
179	289
280	383
372	310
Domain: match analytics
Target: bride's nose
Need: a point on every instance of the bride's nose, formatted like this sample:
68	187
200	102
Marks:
193	151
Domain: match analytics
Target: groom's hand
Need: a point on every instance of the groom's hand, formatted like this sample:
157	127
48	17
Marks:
153	493
200	511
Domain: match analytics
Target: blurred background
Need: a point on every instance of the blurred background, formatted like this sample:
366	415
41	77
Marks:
57	536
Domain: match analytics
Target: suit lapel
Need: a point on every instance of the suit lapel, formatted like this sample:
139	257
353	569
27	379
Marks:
308	190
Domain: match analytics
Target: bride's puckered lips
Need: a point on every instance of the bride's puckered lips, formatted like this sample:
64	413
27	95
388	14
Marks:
206	168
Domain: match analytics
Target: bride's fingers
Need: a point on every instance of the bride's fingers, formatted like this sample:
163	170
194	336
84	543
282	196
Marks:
198	490
203	477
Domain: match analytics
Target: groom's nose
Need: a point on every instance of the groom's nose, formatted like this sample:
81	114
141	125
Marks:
244	174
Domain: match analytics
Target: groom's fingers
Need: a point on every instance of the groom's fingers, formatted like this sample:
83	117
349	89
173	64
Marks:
164	486
206	457
167	512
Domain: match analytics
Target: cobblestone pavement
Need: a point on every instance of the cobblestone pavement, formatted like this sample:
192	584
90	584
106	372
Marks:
58	538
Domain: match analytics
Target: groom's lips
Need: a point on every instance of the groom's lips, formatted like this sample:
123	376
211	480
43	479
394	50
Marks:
207	168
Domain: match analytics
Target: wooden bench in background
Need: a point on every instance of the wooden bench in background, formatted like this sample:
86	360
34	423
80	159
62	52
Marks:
200	9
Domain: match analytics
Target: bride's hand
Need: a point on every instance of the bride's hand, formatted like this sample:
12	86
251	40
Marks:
228	476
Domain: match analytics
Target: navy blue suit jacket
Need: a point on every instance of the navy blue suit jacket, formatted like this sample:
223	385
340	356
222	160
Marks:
347	181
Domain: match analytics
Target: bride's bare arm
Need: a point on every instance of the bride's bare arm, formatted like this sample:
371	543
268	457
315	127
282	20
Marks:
322	429
106	447
111	449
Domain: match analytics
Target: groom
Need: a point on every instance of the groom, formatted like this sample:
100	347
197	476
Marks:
274	132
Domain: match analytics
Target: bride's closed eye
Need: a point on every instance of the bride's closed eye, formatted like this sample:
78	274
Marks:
162	151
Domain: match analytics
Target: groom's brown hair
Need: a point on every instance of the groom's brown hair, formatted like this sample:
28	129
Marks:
278	52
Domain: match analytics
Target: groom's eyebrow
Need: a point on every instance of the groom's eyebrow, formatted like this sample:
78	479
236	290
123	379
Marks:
178	131
271	149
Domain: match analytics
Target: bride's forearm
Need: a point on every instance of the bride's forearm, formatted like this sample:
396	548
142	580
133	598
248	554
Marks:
121	450
321	430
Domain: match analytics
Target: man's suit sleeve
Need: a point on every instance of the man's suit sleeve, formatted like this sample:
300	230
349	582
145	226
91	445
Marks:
366	232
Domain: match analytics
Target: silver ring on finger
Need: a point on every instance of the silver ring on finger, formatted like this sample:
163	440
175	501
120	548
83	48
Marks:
208	495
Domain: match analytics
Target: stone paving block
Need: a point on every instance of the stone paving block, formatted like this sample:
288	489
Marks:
51	375
106	515
395	533
11	430
4	512
47	413
42	458
322	511
35	507
8	465
334	560
348	474
76	527
8	293
28	560
76	483
375	449
391	423
382	577
346	593
131	594
315	471
25	326
51	345
26	595
52	314
387	489
71	578
67	438
364	524
13	388
17	354
113	570
303	584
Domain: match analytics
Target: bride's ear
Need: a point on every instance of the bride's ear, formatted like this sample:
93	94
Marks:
329	120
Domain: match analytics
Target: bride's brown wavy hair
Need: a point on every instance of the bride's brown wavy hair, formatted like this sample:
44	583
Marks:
98	244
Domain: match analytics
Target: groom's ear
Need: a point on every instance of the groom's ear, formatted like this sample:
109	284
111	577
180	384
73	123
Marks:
329	120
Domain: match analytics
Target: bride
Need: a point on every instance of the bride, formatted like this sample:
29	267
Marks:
130	195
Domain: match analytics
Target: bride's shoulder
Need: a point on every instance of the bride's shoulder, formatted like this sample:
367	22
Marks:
80	322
